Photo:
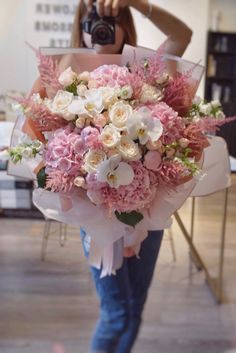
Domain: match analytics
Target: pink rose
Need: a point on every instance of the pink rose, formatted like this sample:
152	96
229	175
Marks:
152	160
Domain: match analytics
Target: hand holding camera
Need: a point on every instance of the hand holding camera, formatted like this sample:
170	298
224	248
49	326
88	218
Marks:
108	7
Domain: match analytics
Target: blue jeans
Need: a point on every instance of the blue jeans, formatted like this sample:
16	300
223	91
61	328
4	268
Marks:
122	298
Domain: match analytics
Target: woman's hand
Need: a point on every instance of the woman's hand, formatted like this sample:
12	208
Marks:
128	251
109	7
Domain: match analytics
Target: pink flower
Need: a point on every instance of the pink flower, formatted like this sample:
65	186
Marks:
134	196
152	160
90	136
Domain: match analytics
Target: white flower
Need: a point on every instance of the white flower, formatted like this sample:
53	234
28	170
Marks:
215	104
84	76
119	115
60	104
92	159
109	136
67	77
115	172
126	92
128	149
81	89
205	109
91	105
141	125
80	122
36	98
27	153
79	182
109	96
220	115
150	94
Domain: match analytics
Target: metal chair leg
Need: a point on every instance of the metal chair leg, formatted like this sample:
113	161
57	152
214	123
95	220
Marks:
46	233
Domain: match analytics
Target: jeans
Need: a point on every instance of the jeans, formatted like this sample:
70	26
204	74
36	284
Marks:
122	298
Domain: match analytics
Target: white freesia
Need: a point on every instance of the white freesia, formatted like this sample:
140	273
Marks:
110	136
60	103
67	77
92	159
128	149
81	89
220	115
84	76
141	125
115	172
91	105
150	94
215	103
109	96
119	115
27	153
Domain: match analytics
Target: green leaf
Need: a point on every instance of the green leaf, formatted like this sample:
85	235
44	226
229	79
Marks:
41	178
130	218
72	88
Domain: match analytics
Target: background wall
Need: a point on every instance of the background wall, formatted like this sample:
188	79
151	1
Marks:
47	22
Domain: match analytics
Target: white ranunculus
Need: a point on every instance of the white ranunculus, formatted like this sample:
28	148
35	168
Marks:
143	126
150	94
119	115
110	136
67	77
84	76
128	149
114	172
92	159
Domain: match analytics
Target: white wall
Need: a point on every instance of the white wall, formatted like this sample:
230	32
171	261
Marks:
227	11
18	18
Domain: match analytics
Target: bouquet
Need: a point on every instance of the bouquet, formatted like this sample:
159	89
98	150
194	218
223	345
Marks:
117	135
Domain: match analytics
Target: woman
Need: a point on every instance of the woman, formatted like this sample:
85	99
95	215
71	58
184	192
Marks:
122	296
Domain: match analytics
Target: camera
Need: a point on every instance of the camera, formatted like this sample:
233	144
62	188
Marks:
102	29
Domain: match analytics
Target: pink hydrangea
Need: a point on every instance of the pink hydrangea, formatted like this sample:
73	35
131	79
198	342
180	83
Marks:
134	196
90	136
64	152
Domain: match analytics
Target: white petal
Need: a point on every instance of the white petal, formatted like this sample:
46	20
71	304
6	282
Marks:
124	173
114	161
156	131
77	107
103	170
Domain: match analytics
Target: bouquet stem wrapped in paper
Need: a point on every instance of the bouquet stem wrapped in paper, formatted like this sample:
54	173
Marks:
115	148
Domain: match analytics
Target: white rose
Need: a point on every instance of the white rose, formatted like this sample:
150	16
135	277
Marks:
128	149
109	96
84	76
79	182
67	77
92	159
80	122
110	136
150	94
81	89
60	104
126	92
119	115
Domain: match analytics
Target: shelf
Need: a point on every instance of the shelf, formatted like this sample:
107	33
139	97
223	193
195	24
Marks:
216	78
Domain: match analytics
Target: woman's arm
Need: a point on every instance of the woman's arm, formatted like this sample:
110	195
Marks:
177	32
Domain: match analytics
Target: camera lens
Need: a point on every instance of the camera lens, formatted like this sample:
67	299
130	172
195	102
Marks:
102	33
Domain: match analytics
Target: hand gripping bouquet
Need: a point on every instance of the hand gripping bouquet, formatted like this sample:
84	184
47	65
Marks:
116	148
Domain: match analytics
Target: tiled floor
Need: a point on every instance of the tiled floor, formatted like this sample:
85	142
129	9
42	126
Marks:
51	307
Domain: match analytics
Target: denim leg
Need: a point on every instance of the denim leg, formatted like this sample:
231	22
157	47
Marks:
113	292
140	273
